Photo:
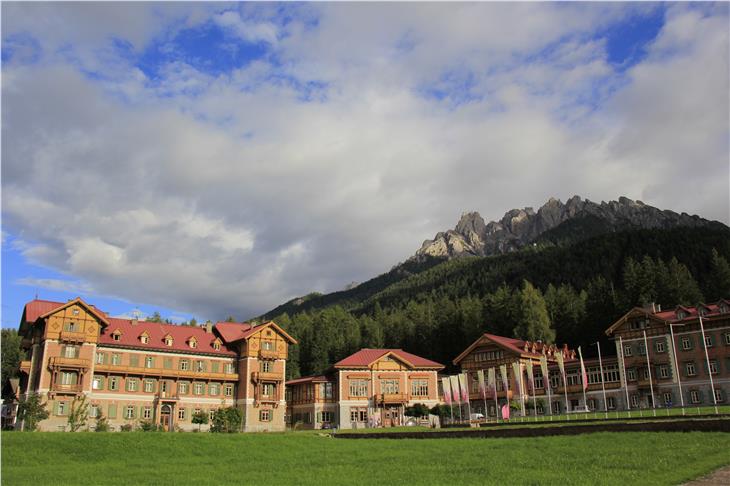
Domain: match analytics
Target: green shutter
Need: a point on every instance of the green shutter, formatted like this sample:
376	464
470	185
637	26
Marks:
133	360
112	411
168	363
214	367
55	409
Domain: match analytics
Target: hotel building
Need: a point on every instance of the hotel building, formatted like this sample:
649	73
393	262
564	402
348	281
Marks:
132	371
370	388
655	351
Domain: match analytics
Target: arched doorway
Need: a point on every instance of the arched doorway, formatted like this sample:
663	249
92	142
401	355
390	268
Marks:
165	417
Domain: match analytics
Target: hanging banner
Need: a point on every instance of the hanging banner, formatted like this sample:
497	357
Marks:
455	388
482	384
505	380
545	375
530	377
464	389
446	385
517	372
621	366
561	365
492	381
583	374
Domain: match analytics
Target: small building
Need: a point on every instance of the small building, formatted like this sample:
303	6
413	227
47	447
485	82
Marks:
370	388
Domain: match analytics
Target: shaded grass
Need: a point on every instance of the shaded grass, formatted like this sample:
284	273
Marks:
309	458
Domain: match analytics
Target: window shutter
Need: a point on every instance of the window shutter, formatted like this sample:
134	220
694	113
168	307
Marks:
56	410
112	411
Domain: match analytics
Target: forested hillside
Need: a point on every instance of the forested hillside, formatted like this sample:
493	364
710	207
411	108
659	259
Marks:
570	291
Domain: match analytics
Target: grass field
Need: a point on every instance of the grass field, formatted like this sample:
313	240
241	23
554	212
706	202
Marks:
310	458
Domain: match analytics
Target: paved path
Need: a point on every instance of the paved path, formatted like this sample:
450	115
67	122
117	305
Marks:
721	477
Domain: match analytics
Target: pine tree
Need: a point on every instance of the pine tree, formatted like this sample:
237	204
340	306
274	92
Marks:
533	322
718	286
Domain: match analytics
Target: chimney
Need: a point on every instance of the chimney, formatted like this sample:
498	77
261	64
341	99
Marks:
650	307
209	327
134	321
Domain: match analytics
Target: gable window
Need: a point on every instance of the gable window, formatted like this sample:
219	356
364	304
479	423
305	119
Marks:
75	312
192	342
144	338
267	346
389	387
70	327
168	340
117	335
681	315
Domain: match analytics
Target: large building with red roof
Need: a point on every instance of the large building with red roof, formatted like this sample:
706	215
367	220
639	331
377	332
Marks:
660	359
370	388
133	371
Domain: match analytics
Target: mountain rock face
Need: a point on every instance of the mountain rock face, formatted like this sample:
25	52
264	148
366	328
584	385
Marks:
519	227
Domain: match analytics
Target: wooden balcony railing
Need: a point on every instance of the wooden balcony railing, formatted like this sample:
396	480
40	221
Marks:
166	373
60	388
268	354
392	397
60	361
167	395
73	336
264	376
25	367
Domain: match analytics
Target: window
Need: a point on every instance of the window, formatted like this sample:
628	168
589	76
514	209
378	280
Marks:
75	312
591	404
216	345
488	355
326	417
642	349
117	336
719	396
144	338
214	366
713	366
634	401
708	340
182	388
358	415
133	360
113	383
94	411
554	381
694	396
611	402
112	411
265	415
230	368
267	345
168	340
667	398
631	374
690	368
184	364
359	388
99	358
645	373
200	366
181	414
663	371
389	386
267	390
61	408
325	390
70	327
538	381
193	343
149	386
116	359
98	383
129	412
211	414
419	388
167	363
214	389
660	346
70	352
265	366
556	407
132	384
198	388
686	344
69	378
147	413
149	362
611	373
228	390
727	338
627	350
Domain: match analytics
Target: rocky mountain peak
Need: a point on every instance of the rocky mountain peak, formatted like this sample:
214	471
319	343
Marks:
519	227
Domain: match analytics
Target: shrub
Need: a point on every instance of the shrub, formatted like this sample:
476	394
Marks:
32	410
102	424
226	419
126	428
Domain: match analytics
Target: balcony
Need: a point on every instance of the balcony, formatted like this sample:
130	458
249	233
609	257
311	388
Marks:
59	388
571	388
268	354
25	367
391	398
165	372
61	362
263	376
72	336
167	395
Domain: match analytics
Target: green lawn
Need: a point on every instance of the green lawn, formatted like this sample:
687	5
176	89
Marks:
309	458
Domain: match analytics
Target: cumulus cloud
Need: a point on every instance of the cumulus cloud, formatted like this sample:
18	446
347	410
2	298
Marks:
364	130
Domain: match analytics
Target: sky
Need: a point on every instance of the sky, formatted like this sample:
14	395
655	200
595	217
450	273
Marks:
206	160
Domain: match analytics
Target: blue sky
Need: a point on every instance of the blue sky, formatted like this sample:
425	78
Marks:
209	160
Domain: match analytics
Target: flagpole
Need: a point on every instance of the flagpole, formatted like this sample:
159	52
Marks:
626	378
603	385
676	367
648	369
707	357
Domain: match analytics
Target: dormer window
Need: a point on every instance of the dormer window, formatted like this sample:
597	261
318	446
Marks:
217	344
681	314
144	338
168	340
117	335
192	342
723	308
75	312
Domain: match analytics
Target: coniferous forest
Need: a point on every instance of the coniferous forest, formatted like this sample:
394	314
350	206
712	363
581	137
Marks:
563	293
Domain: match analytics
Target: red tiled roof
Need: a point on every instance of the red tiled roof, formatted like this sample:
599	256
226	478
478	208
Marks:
232	331
517	346
157	332
671	315
308	379
366	356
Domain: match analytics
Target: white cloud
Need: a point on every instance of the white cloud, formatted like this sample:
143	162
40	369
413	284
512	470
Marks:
228	194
